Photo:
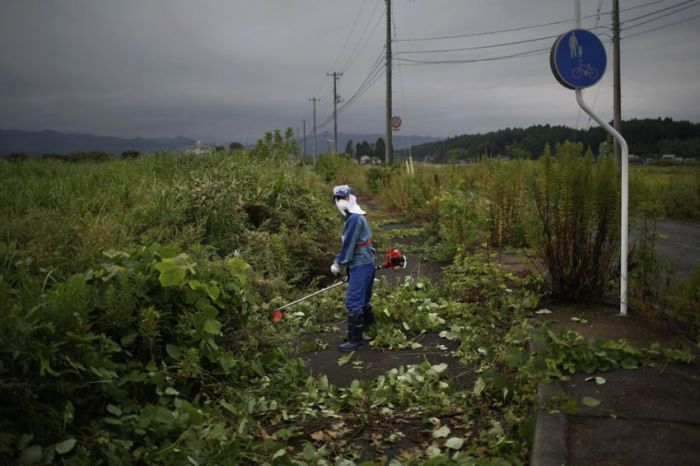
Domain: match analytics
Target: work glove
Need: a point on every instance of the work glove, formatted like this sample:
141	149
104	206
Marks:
335	268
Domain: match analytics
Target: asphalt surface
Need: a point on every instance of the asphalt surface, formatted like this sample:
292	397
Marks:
647	416
678	244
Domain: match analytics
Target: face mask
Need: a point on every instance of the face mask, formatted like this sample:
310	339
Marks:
342	205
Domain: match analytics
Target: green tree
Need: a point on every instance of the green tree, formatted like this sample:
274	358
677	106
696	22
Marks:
234	146
130	154
348	148
380	148
363	148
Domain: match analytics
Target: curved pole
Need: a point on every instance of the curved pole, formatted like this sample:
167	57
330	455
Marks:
624	209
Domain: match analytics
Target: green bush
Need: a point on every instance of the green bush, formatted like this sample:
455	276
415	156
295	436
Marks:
125	346
508	206
576	228
460	221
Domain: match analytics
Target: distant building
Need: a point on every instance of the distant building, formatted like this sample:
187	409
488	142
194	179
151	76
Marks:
635	159
199	148
671	158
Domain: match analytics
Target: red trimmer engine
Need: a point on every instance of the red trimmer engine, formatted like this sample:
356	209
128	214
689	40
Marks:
394	259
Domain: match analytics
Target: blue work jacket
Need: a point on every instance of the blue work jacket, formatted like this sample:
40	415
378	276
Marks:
355	249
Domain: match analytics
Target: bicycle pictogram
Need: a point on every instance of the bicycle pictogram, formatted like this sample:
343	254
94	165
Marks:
584	70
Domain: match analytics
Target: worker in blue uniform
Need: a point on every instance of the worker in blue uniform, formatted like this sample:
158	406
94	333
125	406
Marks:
357	254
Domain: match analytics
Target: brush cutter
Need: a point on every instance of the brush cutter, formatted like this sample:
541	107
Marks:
394	259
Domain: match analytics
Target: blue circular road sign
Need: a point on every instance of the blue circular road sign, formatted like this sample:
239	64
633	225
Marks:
578	59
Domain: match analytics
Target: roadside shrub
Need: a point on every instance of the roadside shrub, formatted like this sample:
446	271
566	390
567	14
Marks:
507	201
378	177
575	232
460	221
131	349
337	169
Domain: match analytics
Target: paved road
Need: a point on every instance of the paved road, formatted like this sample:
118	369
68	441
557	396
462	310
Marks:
680	245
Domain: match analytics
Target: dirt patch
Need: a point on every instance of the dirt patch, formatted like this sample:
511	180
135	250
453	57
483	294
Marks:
604	322
378	437
517	262
420	264
368	363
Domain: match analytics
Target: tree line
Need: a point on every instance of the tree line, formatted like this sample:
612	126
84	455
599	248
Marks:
647	138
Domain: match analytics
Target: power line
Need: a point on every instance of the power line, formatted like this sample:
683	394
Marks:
662	16
325	77
481	47
347	39
675	9
671	7
662	27
364	87
375	72
529	53
360	46
522	28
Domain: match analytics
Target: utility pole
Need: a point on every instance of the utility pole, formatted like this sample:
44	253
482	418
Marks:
336	99
314	100
303	125
389	158
617	93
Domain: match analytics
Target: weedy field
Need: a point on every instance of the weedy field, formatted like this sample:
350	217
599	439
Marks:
136	298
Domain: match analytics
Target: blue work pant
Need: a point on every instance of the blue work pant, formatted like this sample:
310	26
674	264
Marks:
359	292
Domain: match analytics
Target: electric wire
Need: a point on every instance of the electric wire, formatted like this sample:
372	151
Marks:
364	87
370	79
660	17
685	20
671	7
360	46
481	47
537	39
521	28
376	71
347	39
528	53
347	105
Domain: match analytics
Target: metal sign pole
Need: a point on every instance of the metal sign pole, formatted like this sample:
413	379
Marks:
624	165
578	60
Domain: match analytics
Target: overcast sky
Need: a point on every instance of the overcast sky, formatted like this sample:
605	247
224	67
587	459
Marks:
223	70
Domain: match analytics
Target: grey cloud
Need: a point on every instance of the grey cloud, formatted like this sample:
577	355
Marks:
221	70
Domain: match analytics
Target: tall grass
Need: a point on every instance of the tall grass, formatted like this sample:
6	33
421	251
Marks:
576	233
676	189
63	216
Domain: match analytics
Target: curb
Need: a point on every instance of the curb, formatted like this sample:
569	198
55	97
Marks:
549	445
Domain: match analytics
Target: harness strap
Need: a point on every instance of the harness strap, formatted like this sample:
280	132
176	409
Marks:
362	245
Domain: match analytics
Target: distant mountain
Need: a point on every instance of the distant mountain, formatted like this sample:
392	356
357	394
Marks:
401	141
53	142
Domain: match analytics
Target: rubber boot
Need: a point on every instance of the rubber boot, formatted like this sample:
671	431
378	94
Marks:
367	317
354	334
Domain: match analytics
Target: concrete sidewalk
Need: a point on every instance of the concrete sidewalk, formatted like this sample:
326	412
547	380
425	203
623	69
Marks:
648	416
